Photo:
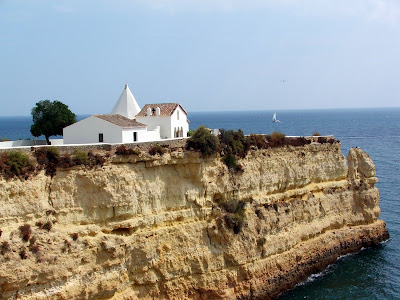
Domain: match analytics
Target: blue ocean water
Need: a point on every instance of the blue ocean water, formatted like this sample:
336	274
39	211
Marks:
18	128
370	274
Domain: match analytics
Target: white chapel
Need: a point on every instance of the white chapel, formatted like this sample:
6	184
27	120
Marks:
127	123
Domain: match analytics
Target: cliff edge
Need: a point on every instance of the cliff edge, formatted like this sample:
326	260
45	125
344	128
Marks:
179	226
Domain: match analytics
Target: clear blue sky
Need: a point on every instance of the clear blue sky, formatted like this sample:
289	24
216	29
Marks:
205	54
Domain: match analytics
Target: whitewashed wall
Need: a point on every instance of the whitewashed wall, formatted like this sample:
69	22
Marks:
163	122
143	135
87	131
151	135
23	143
181	123
167	124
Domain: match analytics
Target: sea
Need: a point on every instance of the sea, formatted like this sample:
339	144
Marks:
373	273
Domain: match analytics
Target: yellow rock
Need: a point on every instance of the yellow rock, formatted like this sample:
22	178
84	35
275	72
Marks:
147	228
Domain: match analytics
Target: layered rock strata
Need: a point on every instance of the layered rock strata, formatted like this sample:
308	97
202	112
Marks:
144	227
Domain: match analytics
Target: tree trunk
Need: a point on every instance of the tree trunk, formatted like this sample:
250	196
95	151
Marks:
47	140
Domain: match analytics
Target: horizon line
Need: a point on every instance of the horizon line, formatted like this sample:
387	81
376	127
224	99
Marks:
252	110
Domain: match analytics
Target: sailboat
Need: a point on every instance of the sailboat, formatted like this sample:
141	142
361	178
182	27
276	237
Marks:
274	119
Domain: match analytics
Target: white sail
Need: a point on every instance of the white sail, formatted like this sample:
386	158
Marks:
274	119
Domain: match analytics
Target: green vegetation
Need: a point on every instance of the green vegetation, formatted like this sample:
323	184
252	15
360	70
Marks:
81	157
4	140
50	159
233	145
233	142
156	149
316	133
49	118
230	162
257	140
202	140
15	164
122	150
17	160
276	139
235	213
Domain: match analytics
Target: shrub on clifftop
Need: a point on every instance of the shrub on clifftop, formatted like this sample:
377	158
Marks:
256	140
48	158
203	141
233	142
156	149
122	150
81	157
277	139
15	164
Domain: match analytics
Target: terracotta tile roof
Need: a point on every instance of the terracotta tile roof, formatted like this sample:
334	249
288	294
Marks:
166	109
121	121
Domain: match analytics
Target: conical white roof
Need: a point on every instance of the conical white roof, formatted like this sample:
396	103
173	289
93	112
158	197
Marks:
126	105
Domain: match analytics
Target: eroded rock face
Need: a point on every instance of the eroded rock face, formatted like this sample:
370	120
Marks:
140	228
360	164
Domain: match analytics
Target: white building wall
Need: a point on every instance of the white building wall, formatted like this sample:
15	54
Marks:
87	131
127	134
152	135
167	124
182	123
142	135
163	122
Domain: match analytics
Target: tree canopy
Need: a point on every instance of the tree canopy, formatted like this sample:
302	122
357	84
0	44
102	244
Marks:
49	118
203	140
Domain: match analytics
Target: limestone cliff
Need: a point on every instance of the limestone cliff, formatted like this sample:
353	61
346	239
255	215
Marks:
144	227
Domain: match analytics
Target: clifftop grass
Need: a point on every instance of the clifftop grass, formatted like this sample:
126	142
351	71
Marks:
232	145
16	164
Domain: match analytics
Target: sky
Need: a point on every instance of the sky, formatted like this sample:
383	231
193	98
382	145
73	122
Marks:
208	55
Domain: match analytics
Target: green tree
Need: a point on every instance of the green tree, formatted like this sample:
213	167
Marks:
49	118
203	140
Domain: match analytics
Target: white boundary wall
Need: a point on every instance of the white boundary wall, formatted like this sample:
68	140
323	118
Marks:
29	143
87	131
